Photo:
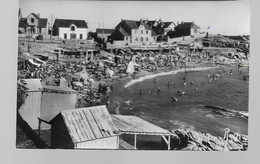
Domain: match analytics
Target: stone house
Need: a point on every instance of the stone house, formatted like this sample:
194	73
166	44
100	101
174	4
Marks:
133	32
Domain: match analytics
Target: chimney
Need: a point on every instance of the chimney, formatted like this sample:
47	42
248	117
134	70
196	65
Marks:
39	15
122	19
177	23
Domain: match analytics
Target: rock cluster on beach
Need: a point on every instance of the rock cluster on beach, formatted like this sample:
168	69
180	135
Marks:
188	139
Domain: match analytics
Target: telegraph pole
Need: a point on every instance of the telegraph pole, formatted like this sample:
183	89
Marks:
28	45
51	29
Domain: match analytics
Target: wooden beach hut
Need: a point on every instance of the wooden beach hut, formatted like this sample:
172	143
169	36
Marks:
84	128
31	108
54	100
137	126
43	100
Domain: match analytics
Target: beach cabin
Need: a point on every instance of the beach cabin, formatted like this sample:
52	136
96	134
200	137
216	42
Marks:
132	125
45	101
84	128
31	109
54	100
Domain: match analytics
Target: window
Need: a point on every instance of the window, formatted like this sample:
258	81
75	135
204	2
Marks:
65	36
126	38
135	31
32	20
80	36
146	39
146	31
141	39
195	30
141	31
72	28
136	39
39	30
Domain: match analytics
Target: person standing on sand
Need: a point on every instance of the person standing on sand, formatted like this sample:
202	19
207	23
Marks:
116	110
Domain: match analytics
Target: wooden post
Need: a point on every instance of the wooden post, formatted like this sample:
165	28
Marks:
135	141
169	143
39	128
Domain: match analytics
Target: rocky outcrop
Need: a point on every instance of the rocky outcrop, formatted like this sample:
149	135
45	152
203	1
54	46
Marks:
187	139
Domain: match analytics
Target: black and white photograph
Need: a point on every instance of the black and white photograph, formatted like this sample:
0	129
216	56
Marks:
133	75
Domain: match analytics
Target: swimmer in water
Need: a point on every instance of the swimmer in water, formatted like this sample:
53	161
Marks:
174	85
184	83
196	89
159	90
191	83
174	99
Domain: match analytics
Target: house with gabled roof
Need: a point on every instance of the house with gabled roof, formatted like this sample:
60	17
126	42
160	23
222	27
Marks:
34	25
70	29
185	29
133	32
104	33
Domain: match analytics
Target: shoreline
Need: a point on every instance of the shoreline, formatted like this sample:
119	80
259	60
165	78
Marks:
164	72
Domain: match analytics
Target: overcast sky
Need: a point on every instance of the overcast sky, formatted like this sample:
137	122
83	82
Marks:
223	17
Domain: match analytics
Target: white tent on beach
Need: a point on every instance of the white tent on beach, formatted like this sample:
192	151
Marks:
130	68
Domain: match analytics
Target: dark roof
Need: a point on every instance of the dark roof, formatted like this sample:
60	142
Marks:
188	25
42	22
69	22
104	30
22	22
35	15
125	26
167	24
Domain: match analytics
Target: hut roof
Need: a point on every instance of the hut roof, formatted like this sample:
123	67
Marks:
58	89
33	85
136	125
90	123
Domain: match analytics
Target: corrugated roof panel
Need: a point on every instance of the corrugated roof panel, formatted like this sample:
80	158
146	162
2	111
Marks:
89	123
136	125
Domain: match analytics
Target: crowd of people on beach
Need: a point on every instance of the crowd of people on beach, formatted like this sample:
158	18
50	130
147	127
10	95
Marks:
91	79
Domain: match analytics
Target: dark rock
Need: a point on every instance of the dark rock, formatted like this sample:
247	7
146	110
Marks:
187	139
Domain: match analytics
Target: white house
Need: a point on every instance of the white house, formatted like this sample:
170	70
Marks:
70	29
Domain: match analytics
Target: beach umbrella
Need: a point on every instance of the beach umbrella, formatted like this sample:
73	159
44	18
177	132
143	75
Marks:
110	72
79	84
151	58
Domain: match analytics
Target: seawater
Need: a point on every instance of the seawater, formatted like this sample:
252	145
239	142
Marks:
226	91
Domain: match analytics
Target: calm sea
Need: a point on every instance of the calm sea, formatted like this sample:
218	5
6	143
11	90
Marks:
188	112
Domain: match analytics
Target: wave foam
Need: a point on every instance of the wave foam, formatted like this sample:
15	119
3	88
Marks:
163	74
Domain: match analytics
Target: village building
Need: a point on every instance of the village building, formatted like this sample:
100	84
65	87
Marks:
84	128
162	28
33	24
185	29
133	32
70	29
43	100
104	34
